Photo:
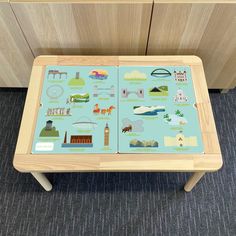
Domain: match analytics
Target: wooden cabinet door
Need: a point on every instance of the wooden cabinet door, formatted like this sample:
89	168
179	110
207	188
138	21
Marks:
205	30
80	28
15	55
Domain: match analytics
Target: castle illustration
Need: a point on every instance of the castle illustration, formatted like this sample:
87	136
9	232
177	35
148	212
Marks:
180	76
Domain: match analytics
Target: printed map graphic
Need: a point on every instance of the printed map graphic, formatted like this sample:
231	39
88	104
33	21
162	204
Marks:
78	112
157	112
110	109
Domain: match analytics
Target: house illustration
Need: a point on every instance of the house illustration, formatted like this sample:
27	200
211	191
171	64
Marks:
180	141
180	97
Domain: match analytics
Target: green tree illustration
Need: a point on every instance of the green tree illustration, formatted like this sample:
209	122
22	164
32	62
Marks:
177	112
166	116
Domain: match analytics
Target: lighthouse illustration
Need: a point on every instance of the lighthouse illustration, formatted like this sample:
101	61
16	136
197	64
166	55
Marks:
106	135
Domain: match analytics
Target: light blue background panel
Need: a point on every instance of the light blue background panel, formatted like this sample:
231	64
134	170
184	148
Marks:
174	128
106	109
65	102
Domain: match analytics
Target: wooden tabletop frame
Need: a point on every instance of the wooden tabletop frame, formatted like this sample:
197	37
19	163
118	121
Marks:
210	160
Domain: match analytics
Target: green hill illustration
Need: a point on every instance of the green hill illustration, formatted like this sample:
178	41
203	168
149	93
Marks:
77	81
159	91
80	97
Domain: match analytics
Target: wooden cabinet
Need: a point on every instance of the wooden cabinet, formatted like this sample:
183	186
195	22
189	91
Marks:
15	55
207	30
204	28
80	28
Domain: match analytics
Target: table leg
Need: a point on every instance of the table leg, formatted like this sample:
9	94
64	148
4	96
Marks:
193	180
42	179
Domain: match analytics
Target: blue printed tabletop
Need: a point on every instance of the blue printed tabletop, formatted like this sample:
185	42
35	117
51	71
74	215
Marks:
110	109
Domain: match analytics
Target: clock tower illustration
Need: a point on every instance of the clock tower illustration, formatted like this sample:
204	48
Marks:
106	135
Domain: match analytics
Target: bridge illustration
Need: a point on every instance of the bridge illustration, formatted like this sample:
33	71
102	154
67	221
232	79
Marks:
97	91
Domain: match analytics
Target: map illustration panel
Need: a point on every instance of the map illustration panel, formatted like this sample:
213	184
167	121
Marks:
78	112
109	109
157	112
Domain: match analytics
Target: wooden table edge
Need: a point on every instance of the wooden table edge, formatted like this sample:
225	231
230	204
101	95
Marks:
22	158
115	163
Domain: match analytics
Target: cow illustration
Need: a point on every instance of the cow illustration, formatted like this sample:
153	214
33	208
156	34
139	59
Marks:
127	129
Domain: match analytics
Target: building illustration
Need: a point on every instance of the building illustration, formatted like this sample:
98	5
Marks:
180	97
48	125
49	130
106	135
180	141
56	74
78	141
58	111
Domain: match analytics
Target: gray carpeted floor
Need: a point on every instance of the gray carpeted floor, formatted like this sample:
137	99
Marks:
117	203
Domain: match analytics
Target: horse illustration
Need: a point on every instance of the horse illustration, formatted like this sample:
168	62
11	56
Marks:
96	109
109	110
103	111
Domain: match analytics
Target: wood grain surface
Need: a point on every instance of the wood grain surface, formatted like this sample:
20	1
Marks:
204	29
211	160
16	58
85	1
79	28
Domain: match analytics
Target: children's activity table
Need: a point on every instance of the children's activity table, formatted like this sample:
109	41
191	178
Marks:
117	113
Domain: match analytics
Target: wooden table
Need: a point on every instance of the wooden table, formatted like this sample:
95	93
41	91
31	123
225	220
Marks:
37	164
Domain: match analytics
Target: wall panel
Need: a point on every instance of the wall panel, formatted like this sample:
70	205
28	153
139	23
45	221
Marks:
203	29
15	55
79	28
